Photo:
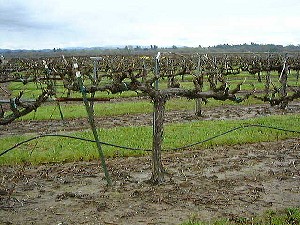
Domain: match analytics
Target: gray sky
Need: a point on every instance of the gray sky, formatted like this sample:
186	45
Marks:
38	24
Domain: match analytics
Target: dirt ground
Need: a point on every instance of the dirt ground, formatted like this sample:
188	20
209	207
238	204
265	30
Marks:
225	181
235	181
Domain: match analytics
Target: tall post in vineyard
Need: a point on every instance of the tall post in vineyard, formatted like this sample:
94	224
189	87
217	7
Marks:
159	102
90	113
95	78
268	77
157	58
198	101
283	81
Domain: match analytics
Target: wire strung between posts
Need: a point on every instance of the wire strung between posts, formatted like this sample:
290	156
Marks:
231	130
141	149
71	137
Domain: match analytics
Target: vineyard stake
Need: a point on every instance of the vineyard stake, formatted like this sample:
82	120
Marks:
94	81
198	101
283	81
92	124
60	111
157	58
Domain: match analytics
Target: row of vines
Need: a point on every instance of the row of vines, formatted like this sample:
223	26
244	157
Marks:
160	77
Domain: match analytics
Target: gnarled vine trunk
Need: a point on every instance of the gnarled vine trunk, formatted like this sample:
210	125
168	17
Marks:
158	122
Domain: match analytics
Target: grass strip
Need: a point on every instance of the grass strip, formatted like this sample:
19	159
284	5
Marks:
70	111
289	216
52	149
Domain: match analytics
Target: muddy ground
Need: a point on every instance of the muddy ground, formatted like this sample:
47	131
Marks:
225	181
235	181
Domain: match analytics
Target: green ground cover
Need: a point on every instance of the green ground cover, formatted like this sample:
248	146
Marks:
289	216
77	110
57	149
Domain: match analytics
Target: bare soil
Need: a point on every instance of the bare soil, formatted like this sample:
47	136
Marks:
230	181
225	181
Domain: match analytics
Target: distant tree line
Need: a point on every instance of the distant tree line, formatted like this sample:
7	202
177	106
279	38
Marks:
151	49
253	47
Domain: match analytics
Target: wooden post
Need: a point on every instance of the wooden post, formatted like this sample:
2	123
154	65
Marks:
95	78
268	78
283	81
198	101
198	110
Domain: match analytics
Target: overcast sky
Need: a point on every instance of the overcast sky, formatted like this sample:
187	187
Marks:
38	24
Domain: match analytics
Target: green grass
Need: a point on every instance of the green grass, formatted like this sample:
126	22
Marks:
55	149
289	216
77	110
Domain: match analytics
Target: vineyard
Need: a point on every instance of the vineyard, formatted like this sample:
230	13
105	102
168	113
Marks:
164	107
